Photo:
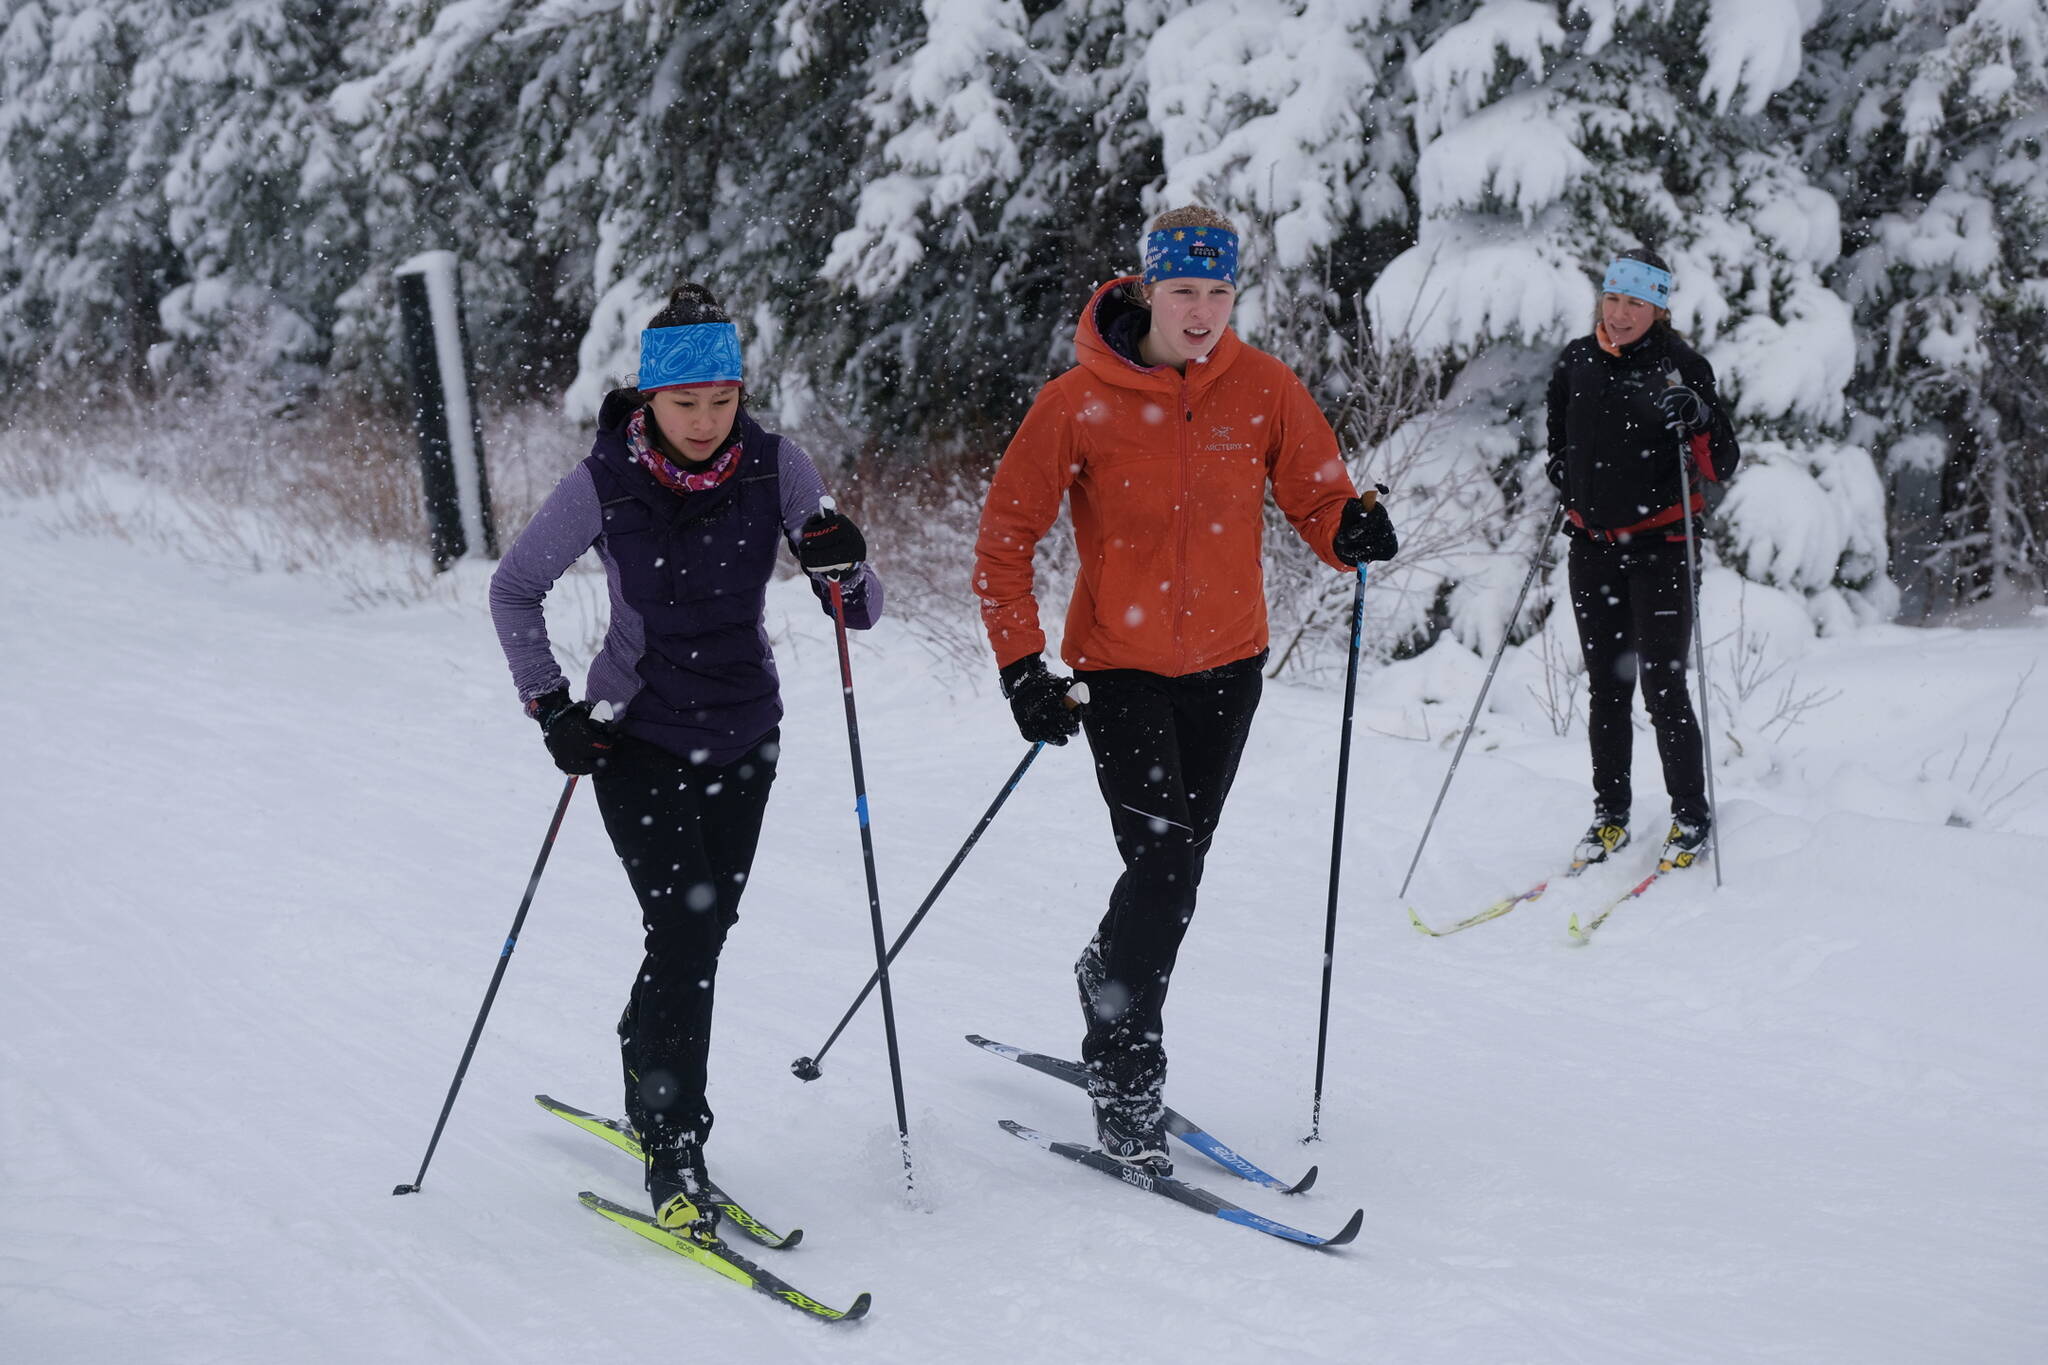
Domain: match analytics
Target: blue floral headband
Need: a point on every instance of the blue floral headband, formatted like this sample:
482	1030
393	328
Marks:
680	357
1203	253
1638	280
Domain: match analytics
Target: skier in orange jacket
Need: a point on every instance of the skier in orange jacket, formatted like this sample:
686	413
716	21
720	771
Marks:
1164	438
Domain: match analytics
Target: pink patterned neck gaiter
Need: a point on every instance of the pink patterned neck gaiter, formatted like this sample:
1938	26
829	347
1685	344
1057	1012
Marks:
671	475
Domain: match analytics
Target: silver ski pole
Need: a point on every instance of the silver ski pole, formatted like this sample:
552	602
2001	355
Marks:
1699	637
1536	564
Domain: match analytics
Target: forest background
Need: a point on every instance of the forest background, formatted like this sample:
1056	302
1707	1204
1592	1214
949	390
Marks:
202	203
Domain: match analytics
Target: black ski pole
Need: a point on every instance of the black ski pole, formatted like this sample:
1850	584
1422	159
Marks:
806	1068
504	958
1536	563
867	853
1337	849
1699	635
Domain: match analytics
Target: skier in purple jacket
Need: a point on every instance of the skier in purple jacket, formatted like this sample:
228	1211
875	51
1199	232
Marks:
685	498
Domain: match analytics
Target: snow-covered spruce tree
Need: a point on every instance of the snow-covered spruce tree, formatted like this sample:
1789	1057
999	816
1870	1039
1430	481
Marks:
1551	135
1932	121
448	148
1288	117
1006	159
84	257
232	133
786	184
583	157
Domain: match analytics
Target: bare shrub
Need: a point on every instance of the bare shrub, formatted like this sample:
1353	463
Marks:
529	446
921	519
1564	673
1991	784
1749	671
1394	425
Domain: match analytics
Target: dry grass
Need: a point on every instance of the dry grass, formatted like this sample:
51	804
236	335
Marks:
331	489
920	525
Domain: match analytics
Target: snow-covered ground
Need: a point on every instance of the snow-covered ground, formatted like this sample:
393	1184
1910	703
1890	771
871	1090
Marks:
260	850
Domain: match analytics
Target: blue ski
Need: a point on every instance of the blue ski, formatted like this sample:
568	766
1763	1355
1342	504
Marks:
1073	1073
1180	1192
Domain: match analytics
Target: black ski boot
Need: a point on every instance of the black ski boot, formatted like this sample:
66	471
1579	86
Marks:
1132	1129
1103	1001
1089	975
1607	834
677	1183
1685	845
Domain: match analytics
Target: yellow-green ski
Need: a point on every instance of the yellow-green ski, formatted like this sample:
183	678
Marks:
611	1130
626	1140
716	1256
1494	911
1584	933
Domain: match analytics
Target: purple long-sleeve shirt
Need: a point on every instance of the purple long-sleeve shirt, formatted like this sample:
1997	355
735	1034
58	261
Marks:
571	521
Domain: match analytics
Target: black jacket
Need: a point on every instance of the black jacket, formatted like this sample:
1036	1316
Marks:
1611	455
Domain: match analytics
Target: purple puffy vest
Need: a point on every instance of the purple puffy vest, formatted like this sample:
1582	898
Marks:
696	567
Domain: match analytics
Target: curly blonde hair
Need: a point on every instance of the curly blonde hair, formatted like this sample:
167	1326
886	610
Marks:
1191	215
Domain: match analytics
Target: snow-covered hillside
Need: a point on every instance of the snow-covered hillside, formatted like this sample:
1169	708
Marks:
260	852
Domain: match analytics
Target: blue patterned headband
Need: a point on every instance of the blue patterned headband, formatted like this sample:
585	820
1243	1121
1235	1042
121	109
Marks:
1638	280
1202	253
679	357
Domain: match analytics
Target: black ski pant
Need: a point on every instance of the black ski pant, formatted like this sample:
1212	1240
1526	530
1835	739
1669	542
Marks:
686	833
1635	619
1166	751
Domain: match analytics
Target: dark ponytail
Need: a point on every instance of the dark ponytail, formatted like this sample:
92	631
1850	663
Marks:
688	304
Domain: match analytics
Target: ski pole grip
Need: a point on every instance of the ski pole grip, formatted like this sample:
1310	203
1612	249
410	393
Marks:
1077	695
829	571
602	712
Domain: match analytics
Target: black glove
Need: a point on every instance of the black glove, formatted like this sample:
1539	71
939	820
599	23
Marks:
831	546
1038	699
576	742
1365	533
1684	412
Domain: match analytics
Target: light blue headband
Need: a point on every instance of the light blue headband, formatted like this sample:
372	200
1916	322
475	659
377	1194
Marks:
1202	253
701	353
1638	280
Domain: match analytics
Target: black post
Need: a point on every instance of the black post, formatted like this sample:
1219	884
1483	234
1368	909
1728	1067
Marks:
504	958
867	853
806	1068
1337	850
445	415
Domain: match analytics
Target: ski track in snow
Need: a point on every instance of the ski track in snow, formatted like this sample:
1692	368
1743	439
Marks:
260	852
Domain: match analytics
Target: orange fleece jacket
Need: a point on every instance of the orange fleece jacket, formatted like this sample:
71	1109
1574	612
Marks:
1168	477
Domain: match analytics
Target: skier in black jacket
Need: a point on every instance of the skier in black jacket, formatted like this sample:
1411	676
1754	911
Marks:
1622	402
